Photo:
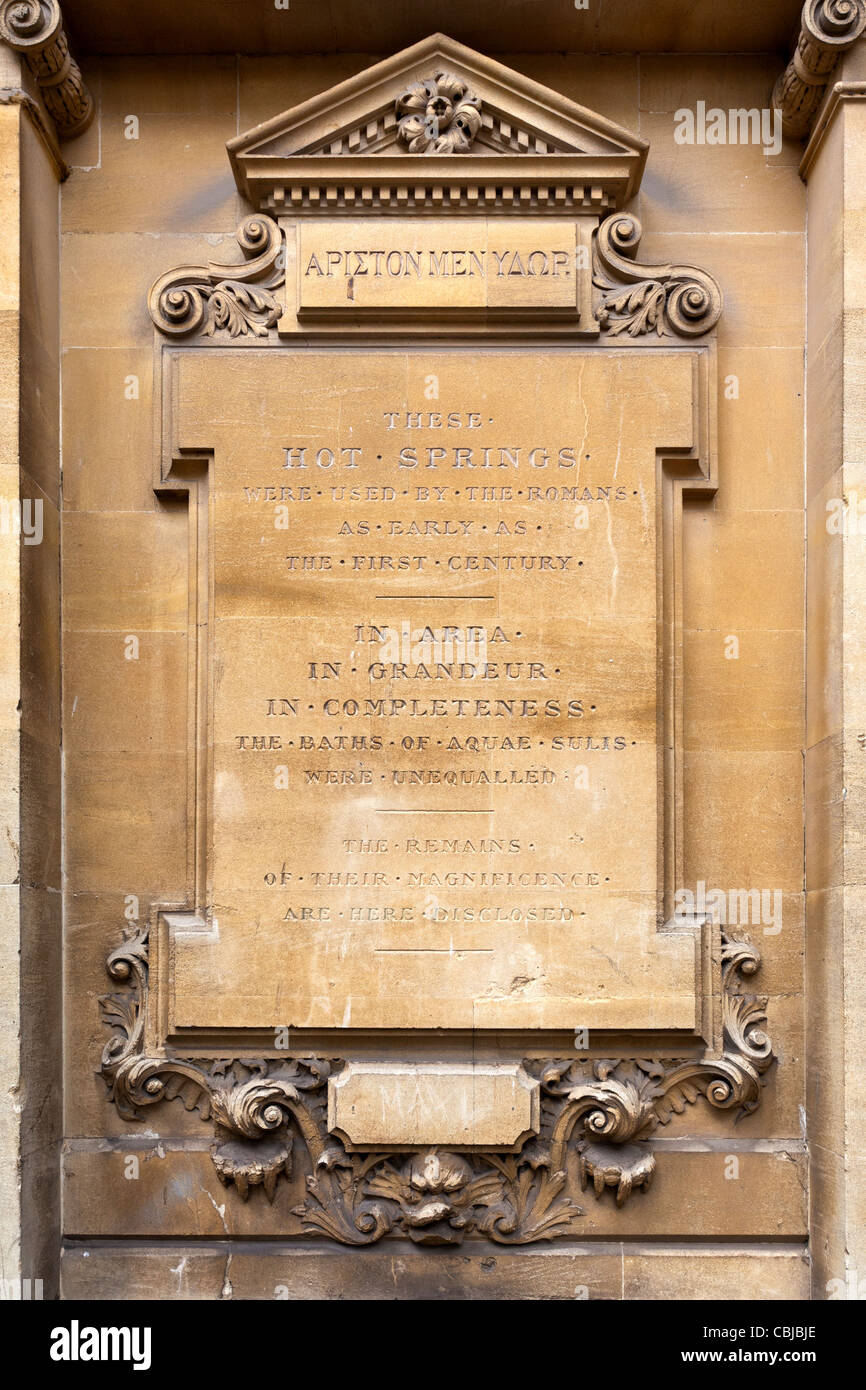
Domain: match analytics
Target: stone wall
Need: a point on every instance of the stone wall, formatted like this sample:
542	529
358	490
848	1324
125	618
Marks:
151	188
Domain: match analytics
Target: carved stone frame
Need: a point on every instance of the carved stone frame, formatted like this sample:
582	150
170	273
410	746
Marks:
600	1109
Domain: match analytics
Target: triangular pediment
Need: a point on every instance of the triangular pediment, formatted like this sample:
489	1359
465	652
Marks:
498	128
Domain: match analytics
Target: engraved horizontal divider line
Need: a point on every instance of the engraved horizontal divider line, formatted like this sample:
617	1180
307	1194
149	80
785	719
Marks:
444	598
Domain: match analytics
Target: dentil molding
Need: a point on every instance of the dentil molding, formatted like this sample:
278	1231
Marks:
356	147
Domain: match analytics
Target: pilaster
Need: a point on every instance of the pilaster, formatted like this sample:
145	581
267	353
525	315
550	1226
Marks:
834	166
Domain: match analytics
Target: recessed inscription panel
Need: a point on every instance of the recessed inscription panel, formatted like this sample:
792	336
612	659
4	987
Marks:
437	266
435	690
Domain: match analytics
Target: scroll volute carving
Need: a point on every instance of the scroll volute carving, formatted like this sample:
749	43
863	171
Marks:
239	299
34	28
827	29
243	300
636	299
602	1112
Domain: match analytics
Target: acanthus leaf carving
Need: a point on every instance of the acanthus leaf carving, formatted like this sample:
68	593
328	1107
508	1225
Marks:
603	1111
637	299
237	299
626	1100
437	1197
246	1165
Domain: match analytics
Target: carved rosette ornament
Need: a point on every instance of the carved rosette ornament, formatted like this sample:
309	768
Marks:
597	1119
637	299
438	115
238	300
34	28
827	29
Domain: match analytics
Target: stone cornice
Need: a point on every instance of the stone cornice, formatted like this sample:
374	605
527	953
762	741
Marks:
16	96
840	93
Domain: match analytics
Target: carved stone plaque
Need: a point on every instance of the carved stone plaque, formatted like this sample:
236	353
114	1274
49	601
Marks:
435	432
434	690
437	267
